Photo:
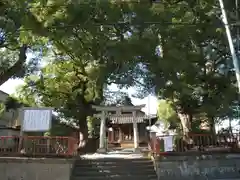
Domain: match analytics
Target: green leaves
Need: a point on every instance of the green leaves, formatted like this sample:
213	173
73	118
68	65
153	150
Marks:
166	113
194	72
13	41
89	45
2	109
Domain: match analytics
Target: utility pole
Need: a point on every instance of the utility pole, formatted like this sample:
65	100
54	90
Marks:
230	42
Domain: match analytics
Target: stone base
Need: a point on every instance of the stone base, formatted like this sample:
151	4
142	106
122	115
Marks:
102	150
137	150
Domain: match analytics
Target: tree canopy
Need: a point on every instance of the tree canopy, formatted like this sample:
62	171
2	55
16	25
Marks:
194	70
178	48
167	114
13	47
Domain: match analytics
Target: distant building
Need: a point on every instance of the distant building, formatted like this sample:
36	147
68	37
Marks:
121	133
9	120
9	124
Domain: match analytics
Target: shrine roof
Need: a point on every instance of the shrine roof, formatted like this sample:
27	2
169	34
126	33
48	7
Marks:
119	108
127	118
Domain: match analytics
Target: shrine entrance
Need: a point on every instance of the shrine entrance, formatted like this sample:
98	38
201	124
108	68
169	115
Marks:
128	126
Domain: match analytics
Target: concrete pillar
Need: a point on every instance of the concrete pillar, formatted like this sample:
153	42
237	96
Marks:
135	132
102	141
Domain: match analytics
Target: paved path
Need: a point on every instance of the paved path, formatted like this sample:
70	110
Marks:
124	153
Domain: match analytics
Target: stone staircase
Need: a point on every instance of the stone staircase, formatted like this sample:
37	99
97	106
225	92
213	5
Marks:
113	169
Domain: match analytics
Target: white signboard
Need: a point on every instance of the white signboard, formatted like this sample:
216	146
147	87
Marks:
36	120
168	143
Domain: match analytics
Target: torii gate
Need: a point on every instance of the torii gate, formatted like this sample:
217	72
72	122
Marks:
118	109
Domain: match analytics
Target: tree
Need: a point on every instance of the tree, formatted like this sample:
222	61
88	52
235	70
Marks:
202	81
2	109
14	44
115	98
63	87
167	114
100	43
84	56
12	53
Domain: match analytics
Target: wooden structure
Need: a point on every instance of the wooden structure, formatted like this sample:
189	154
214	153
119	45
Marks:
9	120
128	126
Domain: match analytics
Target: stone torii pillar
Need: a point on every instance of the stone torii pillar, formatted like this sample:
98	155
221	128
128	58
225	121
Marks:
135	132
104	111
102	135
102	142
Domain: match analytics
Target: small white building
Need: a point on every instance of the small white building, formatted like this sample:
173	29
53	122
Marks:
158	131
9	120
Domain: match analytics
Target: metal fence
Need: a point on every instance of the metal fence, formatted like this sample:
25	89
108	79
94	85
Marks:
195	143
37	146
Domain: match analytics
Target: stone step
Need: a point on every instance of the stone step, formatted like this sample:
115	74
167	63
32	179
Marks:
104	172
113	169
116	159
117	178
139	177
115	166
112	162
95	167
103	175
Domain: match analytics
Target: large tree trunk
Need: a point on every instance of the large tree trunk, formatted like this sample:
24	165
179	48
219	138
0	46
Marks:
83	136
83	130
212	125
5	75
186	120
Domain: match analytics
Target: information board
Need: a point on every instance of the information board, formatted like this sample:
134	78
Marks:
36	120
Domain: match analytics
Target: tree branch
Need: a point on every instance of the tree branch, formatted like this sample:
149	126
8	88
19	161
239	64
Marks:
16	67
68	52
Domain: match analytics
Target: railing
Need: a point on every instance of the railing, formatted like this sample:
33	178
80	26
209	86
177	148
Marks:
37	146
195	143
